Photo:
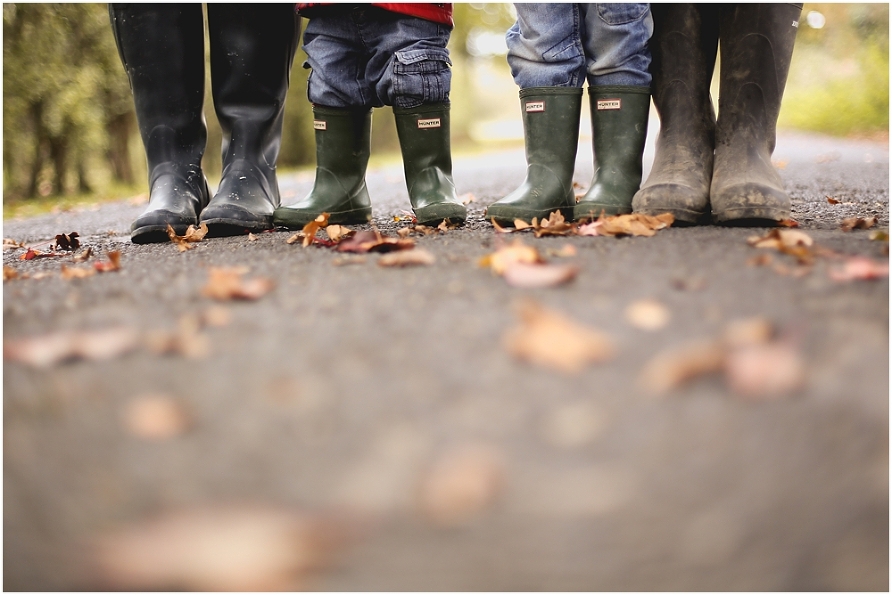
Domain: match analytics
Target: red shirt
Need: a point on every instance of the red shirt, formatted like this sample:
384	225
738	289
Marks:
438	13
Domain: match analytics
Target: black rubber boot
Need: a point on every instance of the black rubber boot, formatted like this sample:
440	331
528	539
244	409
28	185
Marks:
684	46
756	48
619	129
427	160
252	49
162	49
343	140
551	135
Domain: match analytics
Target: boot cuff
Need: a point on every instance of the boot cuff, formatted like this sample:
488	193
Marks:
321	110
600	90
424	108
540	91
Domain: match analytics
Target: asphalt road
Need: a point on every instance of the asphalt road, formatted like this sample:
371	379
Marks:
334	396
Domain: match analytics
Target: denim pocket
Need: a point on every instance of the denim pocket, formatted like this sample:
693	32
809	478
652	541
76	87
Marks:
421	76
619	14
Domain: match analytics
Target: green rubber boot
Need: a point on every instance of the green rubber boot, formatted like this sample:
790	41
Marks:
427	159
619	128
343	140
551	133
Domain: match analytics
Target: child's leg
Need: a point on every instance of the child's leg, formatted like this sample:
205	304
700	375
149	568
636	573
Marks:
409	68
342	102
617	59
547	61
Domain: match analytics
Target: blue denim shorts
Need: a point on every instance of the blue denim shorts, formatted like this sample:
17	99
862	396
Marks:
560	45
362	56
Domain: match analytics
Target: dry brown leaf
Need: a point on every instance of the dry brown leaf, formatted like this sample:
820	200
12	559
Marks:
555	225
764	371
9	243
425	229
112	264
778	239
44	351
747	332
336	233
590	229
516	252
635	224
227	284
529	276
403	232
402	258
67	242
500	229
252	237
788	223
69	273
218	548
83	256
832	200
550	339
520	224
680	364
445	226
192	235
564	251
859	268
293	238
879	236
461	484
187	340
647	315
851	223
374	241
310	229
467	198
156	417
9	273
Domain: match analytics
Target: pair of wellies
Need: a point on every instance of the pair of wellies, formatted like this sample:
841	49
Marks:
705	168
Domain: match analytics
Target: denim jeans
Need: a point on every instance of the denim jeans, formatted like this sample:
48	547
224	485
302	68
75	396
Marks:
362	56
560	45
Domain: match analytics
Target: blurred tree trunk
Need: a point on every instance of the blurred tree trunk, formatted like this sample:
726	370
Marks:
120	128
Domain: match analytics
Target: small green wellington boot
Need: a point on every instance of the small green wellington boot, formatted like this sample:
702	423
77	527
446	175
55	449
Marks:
551	133
427	160
619	128
343	140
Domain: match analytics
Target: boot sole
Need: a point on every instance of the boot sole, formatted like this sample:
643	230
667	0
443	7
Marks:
224	227
435	214
353	217
593	211
155	234
505	216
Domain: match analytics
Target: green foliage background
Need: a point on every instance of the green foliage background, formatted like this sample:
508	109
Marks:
69	128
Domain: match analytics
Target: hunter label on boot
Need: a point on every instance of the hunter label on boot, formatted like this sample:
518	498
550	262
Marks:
320	125
429	123
604	104
535	106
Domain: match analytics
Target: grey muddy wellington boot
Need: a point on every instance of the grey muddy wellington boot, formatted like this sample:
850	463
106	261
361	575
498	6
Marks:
343	140
252	48
619	129
756	48
551	134
427	160
162	49
684	46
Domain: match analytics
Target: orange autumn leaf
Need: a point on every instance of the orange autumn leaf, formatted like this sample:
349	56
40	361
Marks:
112	264
227	284
309	230
516	252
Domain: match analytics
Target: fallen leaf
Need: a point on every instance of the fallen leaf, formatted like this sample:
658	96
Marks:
564	251
217	316
531	276
879	236
227	284
402	258
31	254
187	340
859	268
747	332
678	365
461	484
403	232
310	229
550	339
501	229
590	229
336	233
832	200
76	273
555	225
426	230
520	224
218	548
764	371
467	198
252	237
68	242
788	241
12	244
83	256
112	264
635	224
788	223
857	223
517	252
293	238
374	241
9	273
759	260
192	235
44	351
648	315
156	417
445	226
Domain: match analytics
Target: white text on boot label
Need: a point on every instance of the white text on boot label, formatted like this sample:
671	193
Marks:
429	123
535	106
320	125
610	104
